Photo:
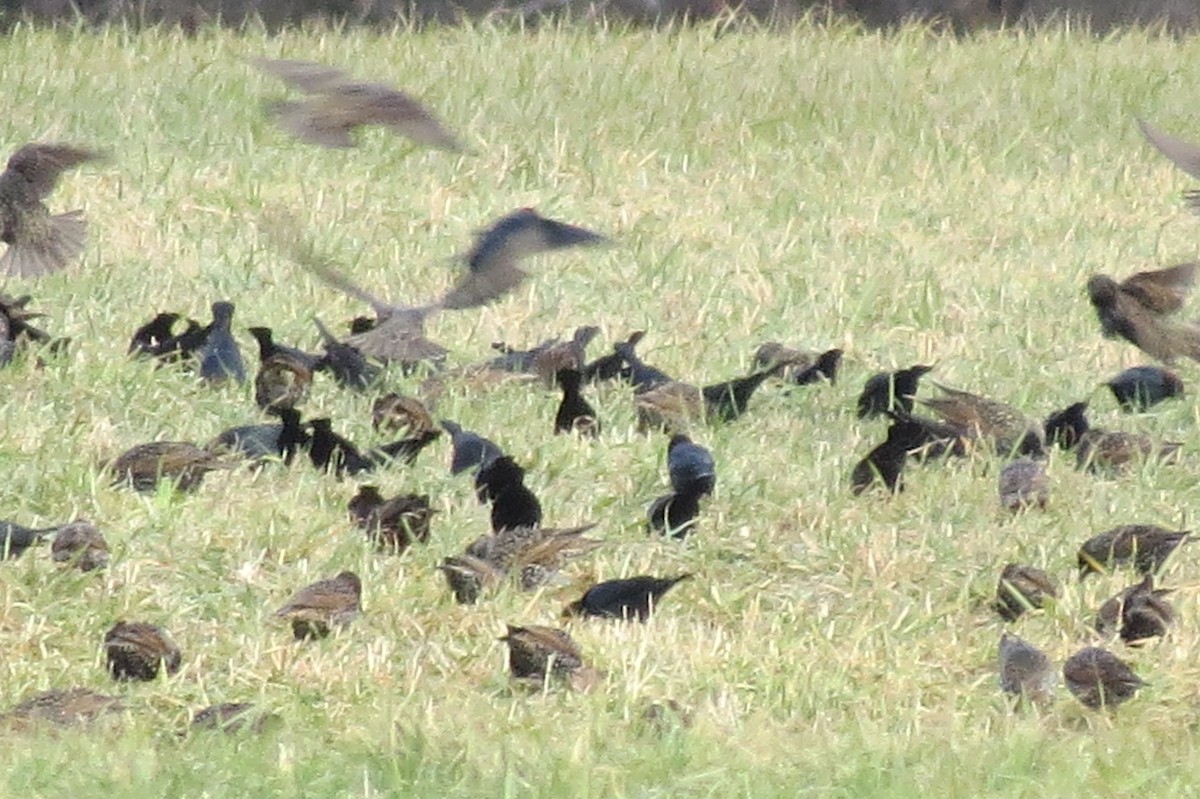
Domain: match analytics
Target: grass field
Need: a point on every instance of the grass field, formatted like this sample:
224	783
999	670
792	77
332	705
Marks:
908	198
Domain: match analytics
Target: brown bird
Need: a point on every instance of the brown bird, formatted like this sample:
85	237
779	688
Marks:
1105	450
536	653
179	461
1137	310
39	243
324	604
1182	154
1147	545
136	651
1023	588
535	553
235	717
1026	671
393	413
82	544
282	381
393	524
1024	484
1137	614
798	366
337	106
980	418
469	577
1099	678
69	707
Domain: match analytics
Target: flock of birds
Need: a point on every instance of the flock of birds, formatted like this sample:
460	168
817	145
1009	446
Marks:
521	548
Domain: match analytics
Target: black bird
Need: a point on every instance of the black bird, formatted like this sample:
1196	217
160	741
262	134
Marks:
671	406
674	514
269	347
932	439
891	391
691	466
345	362
574	412
150	338
137	651
826	367
1137	614
1141	387
630	598
1022	588
337	106
39	243
799	366
1147	545
1137	309
1067	427
1099	678
885	463
260	441
1182	154
404	450
643	376
329	451
15	539
220	357
502	483
470	450
611	366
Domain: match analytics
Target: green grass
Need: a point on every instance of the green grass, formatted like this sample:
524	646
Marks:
909	198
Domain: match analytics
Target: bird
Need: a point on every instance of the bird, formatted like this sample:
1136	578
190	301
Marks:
536	554
15	539
891	391
1066	428
673	405
469	576
1023	588
469	450
1026	671
1140	388
1138	308
235	717
137	651
547	358
81	544
538	653
392	413
1098	678
640	374
502	483
330	452
150	338
691	466
826	367
282	381
316	608
220	356
349	367
1147	545
1103	450
181	462
39	243
928	439
798	366
1182	154
1023	483
574	414
393	524
1137	614
674	514
268	347
65	708
337	106
259	442
628	598
610	366
975	417
885	463
16	332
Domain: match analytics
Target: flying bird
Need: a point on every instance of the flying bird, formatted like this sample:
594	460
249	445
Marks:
1182	154
337	106
39	243
1138	308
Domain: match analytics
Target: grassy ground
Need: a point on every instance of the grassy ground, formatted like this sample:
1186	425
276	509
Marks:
908	198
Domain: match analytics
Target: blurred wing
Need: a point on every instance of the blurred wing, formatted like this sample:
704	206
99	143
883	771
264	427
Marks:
1161	291
307	76
39	166
1182	154
481	287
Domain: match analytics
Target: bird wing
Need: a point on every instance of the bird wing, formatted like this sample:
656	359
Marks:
373	103
481	287
39	166
307	76
1182	154
1161	291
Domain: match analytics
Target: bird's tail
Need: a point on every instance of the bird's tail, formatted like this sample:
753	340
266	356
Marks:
60	243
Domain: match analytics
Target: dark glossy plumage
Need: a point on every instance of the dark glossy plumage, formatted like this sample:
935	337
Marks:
1147	546
261	441
220	356
1023	588
891	391
1099	678
674	514
137	651
150	338
1137	309
15	539
502	483
81	544
39	243
349	367
1137	614
1065	428
470	450
1140	388
691	467
826	367
1026	671
330	452
643	376
885	463
316	608
628	598
575	414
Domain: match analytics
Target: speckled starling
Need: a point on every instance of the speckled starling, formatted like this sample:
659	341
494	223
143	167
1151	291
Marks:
1102	450
469	577
1023	588
65	708
282	381
977	417
178	461
235	717
82	544
326	603
1023	483
393	524
39	243
1026	671
536	651
1138	613
136	651
1147	546
1099	678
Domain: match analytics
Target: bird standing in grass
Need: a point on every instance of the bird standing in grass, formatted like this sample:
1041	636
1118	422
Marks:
575	414
220	356
1098	678
1023	484
1147	545
629	598
502	483
314	609
82	544
891	391
15	539
1140	388
181	461
1026	671
693	474
1023	588
1137	614
137	651
39	243
337	106
537	653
